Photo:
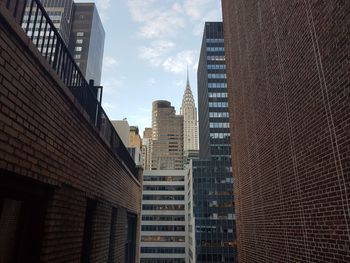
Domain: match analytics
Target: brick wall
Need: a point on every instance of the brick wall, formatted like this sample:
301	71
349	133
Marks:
288	80
46	136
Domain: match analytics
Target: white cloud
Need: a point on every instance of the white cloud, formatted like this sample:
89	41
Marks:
109	61
156	21
179	62
155	52
108	105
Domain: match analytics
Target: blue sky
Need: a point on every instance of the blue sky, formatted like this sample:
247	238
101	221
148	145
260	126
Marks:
148	45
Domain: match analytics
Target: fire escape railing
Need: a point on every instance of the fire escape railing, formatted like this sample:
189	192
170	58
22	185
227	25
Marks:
36	23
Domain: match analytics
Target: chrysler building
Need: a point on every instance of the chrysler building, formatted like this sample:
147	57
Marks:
190	127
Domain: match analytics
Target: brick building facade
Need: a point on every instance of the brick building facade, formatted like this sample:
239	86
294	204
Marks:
288	83
65	196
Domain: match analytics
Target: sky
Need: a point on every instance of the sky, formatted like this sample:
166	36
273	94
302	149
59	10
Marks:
148	45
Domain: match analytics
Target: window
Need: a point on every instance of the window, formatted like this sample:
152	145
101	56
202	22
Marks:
163	250
79	41
77	56
88	227
78	49
112	236
130	245
80	34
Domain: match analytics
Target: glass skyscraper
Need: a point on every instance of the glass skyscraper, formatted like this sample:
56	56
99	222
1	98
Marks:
212	183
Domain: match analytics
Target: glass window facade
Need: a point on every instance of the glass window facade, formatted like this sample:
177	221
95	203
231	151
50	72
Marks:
212	181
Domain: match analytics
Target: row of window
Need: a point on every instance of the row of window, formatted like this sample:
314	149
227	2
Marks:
215	49
167	228
162	239
218	104
163	188
165	178
217	76
163	218
219	135
163	260
164	207
216	66
163	197
217	85
215	40
217	94
216	58
163	250
218	114
219	125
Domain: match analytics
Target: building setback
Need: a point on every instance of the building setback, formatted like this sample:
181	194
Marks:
211	176
164	217
288	85
167	137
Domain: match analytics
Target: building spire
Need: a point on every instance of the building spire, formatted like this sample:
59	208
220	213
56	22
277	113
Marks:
188	82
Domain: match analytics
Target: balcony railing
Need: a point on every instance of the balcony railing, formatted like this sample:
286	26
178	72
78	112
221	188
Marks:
36	23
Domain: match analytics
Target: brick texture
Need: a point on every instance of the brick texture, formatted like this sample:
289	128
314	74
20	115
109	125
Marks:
288	81
46	136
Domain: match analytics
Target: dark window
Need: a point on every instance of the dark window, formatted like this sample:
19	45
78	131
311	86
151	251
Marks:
111	255
88	227
130	246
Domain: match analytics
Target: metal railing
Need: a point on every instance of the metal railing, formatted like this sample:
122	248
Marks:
36	23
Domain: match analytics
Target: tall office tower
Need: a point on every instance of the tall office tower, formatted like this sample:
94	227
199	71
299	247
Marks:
81	29
164	217
288	85
87	41
189	112
61	14
211	176
146	149
167	137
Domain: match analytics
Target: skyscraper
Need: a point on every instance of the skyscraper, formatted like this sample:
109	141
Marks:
288	86
167	137
189	112
211	176
87	41
80	28
146	148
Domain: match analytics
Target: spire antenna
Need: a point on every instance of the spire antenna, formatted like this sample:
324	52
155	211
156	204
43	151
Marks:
188	82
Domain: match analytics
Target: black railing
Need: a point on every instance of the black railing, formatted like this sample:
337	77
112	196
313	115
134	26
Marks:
36	23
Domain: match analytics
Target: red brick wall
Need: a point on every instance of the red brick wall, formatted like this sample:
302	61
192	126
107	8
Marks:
288	78
46	136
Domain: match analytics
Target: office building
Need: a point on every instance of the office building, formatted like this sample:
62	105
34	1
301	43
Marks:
288	86
146	148
211	176
135	145
87	41
123	129
80	28
189	112
167	137
164	217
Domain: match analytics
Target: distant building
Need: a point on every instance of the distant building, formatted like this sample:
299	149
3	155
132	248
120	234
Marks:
135	145
167	137
61	14
123	129
87	41
164	217
146	148
211	176
82	31
189	112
